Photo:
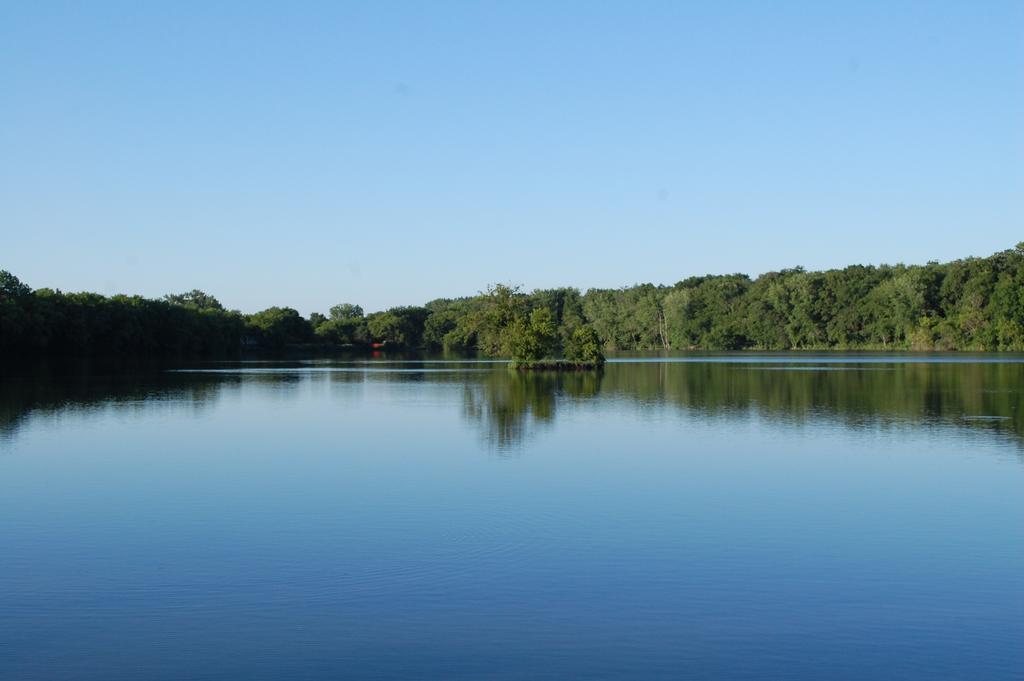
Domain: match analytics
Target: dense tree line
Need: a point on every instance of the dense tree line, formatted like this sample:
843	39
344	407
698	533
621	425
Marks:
968	304
45	321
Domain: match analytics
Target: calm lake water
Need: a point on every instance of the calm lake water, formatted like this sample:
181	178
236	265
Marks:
720	517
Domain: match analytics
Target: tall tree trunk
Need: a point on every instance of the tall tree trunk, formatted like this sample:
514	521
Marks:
662	330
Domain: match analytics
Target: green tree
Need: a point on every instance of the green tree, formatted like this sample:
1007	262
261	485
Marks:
531	338
277	327
351	331
194	298
385	327
11	287
584	347
345	311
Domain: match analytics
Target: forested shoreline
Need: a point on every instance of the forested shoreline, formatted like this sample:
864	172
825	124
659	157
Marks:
968	304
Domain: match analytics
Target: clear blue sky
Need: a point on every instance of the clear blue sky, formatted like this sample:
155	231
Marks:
388	153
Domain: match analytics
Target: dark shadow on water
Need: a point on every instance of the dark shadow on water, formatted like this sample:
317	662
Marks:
52	388
508	407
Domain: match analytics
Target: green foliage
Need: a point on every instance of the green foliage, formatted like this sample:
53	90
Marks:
11	287
345	311
484	327
716	312
277	327
584	347
347	331
51	322
530	338
195	299
440	322
385	327
398	326
969	304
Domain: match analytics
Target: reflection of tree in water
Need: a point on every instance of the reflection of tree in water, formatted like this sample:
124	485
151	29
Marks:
509	405
969	395
973	396
48	388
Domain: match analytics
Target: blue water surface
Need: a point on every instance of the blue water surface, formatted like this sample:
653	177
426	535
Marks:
727	517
